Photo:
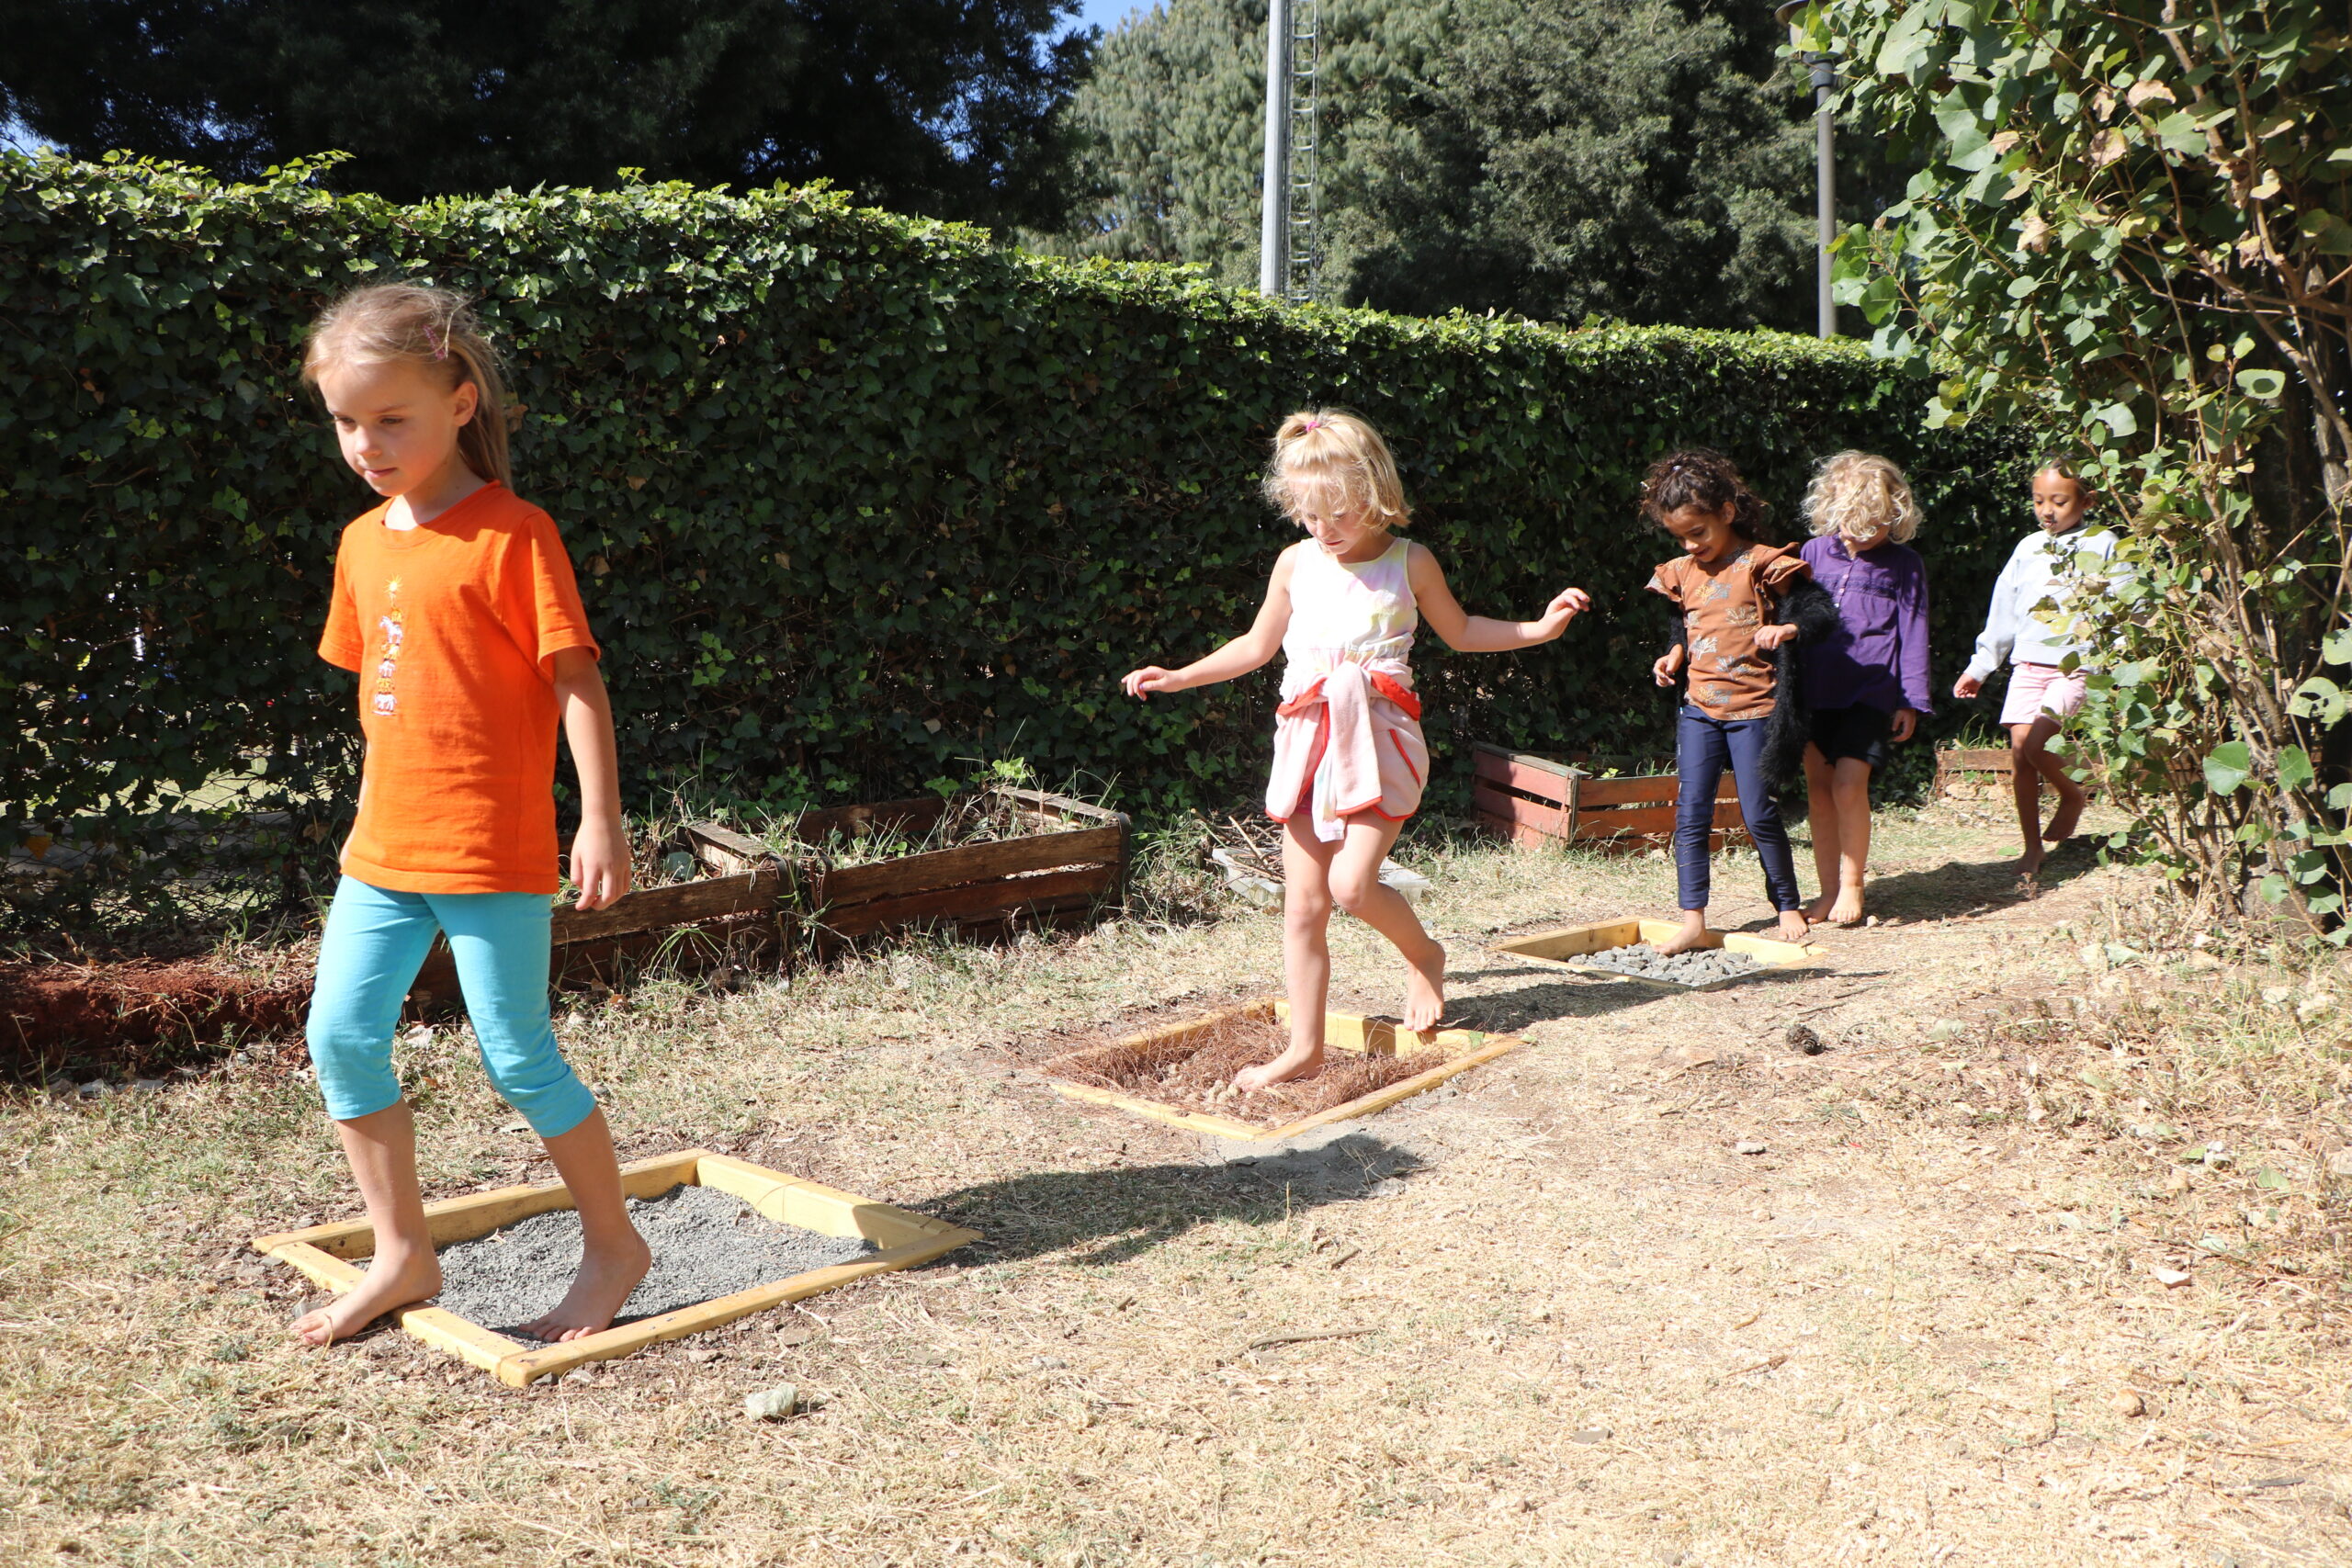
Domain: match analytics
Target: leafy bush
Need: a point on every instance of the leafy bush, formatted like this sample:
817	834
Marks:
854	498
2132	227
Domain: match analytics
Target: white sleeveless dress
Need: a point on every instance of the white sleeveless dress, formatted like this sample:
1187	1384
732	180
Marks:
1348	735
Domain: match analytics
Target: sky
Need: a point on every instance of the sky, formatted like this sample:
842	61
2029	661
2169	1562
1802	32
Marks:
1105	13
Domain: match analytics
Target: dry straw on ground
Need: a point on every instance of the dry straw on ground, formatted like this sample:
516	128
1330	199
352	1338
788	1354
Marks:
1971	1301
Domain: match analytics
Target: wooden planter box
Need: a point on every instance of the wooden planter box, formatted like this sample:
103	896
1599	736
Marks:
1564	946
1342	1031
324	1253
1537	801
1060	875
1973	771
746	903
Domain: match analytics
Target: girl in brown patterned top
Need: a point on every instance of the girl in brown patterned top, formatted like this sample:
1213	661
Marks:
1738	601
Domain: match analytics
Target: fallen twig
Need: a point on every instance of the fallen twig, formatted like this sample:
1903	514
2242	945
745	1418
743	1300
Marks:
1271	1340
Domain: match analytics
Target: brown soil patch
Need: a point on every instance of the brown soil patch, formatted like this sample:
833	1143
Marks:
135	1014
1192	1072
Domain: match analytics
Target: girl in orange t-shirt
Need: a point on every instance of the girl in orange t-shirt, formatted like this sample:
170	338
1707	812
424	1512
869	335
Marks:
454	603
1741	608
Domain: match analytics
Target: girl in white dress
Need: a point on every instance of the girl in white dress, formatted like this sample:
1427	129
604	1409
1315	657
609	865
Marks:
1350	762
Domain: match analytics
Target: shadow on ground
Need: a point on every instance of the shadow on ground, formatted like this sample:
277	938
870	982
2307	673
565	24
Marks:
1109	1216
1958	888
1502	1013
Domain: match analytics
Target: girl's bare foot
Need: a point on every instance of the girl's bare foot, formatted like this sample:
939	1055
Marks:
607	1275
2064	821
1292	1064
381	1289
1425	992
1692	934
1819	910
1846	911
1792	925
2030	862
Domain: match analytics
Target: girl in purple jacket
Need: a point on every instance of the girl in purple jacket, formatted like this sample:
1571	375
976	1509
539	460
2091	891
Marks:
1867	682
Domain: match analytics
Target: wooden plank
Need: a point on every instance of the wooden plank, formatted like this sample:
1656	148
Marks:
1517	811
448	1217
651	908
518	1370
1551	783
723	851
1649	789
1572	942
1061	805
1190	1121
970	904
968	863
812	1205
912	816
1421	1083
1540	764
1977	759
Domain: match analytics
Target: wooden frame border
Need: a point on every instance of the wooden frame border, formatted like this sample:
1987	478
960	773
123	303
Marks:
324	1254
1561	948
1342	1031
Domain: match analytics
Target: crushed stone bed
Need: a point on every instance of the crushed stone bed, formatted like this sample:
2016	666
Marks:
707	1244
1698	967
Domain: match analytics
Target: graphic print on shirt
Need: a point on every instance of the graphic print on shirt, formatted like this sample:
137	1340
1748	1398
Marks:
393	623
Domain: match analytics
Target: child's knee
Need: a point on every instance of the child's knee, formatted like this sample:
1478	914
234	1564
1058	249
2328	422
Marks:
1352	891
541	1087
352	1065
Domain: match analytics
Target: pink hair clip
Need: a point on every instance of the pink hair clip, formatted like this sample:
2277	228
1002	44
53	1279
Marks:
1311	423
440	342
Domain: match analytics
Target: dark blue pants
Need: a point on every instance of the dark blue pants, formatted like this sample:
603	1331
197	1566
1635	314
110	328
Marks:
1703	747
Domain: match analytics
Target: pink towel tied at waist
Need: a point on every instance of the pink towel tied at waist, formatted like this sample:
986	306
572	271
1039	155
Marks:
1350	742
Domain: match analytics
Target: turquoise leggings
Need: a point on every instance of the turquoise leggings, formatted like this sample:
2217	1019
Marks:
375	942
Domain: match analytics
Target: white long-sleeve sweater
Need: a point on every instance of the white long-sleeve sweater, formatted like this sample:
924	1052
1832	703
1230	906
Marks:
2041	570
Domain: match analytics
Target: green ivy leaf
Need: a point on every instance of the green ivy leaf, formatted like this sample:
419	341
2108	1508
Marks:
2228	766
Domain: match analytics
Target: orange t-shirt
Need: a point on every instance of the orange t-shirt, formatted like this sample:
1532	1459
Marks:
453	628
1722	608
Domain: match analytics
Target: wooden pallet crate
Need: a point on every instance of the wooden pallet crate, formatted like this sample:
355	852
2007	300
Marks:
1563	947
327	1254
746	903
1342	1031
1063	875
1537	802
1973	769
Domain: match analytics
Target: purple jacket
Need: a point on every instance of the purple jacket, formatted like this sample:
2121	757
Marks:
1879	654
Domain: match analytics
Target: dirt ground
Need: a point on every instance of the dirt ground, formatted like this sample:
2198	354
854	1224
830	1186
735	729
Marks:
1942	1311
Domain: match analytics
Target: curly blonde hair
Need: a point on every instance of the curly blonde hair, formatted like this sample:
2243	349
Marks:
435	329
1854	493
1333	446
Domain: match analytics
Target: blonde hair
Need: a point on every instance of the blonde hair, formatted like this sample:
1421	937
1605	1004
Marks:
1337	447
434	329
1854	493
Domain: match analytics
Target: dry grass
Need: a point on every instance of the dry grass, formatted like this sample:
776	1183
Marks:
1581	1329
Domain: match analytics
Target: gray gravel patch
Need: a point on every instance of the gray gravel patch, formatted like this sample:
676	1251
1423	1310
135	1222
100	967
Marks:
706	1244
1700	966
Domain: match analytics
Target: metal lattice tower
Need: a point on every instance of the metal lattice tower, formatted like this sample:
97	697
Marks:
1305	246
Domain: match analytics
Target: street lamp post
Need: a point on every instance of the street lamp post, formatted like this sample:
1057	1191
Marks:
1273	200
1825	179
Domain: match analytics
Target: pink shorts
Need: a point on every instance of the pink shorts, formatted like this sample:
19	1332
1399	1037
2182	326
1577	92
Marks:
2037	689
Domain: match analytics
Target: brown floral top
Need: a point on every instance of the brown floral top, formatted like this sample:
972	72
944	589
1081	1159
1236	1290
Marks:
1723	604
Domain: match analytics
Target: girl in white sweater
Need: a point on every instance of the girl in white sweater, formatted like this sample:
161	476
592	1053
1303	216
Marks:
2043	692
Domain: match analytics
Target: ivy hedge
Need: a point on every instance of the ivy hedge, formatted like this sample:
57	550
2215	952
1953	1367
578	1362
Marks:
856	498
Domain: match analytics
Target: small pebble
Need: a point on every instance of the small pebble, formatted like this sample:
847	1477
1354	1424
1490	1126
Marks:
1800	1038
97	1088
702	1355
1747	1146
1590	1434
147	1086
771	1404
2127	1402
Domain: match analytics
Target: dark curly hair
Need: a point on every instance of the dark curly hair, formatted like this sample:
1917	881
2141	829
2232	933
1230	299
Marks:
1696	475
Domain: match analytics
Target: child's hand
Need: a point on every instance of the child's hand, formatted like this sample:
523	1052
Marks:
1769	637
1565	606
1149	679
1906	724
1967	686
599	863
1667	666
